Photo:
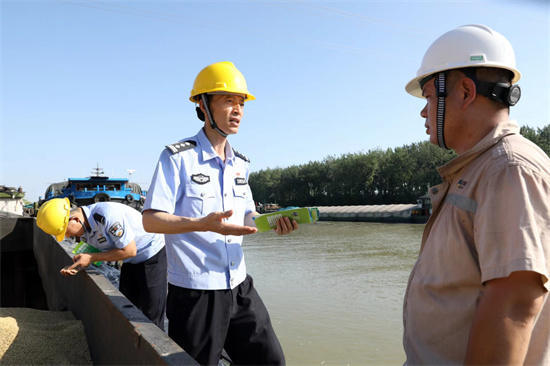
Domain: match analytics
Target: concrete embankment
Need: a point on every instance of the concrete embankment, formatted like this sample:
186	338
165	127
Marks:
117	332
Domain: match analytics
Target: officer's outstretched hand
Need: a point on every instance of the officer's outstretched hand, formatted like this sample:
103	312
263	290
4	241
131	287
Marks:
216	222
80	261
284	226
68	271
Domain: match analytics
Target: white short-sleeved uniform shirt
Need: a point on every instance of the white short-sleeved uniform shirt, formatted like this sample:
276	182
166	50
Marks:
191	180
115	225
491	217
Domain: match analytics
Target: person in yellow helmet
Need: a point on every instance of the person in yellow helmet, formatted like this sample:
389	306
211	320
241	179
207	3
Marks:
200	198
478	293
116	230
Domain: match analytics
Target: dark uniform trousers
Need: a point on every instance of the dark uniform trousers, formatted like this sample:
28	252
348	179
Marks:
145	285
204	322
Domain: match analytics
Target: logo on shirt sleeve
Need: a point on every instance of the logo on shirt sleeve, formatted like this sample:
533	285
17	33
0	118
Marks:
116	230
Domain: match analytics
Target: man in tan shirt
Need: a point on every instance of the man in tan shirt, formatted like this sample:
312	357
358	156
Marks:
478	291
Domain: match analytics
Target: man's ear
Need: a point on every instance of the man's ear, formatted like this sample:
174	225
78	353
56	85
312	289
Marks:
201	106
468	91
201	112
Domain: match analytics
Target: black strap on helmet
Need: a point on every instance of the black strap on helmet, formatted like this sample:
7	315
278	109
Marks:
441	93
212	123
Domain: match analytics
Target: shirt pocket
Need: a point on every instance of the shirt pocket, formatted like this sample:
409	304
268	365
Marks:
199	200
240	195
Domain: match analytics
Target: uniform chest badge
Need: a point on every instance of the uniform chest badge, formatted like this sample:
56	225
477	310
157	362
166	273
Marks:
101	239
116	230
200	178
240	181
461	184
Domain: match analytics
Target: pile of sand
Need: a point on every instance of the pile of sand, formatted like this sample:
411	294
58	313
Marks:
39	337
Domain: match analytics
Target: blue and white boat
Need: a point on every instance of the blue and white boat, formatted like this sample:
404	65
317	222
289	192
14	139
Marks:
97	188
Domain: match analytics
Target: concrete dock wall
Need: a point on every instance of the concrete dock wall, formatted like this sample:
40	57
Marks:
117	332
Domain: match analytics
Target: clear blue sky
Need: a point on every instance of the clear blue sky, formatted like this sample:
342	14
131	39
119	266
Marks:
107	82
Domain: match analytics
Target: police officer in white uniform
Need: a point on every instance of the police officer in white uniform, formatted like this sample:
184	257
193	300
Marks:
200	198
117	231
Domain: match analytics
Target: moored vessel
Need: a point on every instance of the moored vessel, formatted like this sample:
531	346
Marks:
97	188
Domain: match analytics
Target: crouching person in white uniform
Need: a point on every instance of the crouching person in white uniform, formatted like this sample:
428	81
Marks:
117	231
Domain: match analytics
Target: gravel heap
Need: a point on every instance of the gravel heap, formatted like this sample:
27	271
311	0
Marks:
39	337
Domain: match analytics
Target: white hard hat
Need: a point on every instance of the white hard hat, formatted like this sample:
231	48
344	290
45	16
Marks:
471	45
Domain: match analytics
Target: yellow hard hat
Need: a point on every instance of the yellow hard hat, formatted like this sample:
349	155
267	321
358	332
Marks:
220	77
53	217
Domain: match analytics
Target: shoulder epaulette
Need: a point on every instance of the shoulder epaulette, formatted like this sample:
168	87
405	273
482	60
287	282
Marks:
241	156
99	218
181	146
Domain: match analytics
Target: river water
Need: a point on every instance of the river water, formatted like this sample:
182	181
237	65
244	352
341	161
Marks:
335	290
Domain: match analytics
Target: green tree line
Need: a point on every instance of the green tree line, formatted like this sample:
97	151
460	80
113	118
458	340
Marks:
377	177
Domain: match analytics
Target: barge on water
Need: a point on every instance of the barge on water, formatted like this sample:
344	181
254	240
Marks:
397	213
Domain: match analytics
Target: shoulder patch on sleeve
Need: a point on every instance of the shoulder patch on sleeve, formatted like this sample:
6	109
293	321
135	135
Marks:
181	146
241	156
116	230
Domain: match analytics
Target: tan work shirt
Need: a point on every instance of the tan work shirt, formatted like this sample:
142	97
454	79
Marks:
491	217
